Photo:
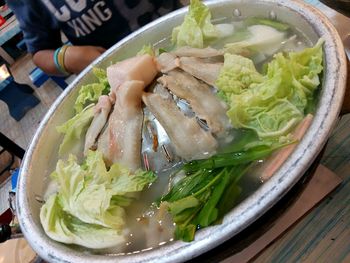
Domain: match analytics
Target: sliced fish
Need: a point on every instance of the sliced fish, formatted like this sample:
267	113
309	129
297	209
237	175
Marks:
166	62
188	138
200	97
208	72
198	52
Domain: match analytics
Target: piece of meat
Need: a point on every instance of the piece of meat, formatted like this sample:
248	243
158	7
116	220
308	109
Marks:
208	72
274	162
188	138
141	68
202	100
166	62
121	140
102	110
197	52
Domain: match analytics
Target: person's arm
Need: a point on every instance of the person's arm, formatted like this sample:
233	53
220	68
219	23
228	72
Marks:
76	58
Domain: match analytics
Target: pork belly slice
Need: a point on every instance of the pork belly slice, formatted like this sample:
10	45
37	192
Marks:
188	138
202	100
102	110
166	62
198	52
208	72
141	68
121	140
169	61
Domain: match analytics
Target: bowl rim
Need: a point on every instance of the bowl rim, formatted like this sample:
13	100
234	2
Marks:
253	206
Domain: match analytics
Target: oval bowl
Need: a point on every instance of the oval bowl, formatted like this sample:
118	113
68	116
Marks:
41	157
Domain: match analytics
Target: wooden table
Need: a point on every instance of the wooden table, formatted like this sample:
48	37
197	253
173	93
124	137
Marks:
323	235
9	145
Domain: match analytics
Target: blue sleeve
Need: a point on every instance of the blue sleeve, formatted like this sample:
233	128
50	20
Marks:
40	30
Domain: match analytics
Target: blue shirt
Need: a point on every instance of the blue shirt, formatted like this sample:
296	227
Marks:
84	22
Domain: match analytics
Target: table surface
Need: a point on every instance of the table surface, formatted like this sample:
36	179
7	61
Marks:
323	235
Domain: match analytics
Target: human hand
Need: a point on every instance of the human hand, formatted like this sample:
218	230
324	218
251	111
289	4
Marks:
77	58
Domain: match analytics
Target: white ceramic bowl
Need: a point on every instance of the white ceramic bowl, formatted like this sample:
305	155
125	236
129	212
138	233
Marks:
41	157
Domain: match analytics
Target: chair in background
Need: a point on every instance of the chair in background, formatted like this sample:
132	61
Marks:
21	45
12	149
39	77
18	97
9	164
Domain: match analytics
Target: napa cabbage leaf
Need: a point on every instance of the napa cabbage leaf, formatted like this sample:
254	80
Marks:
92	197
63	227
271	104
146	49
196	28
74	129
91	92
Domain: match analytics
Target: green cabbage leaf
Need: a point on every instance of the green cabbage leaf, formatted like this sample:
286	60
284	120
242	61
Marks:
65	228
237	74
147	49
196	28
91	92
74	129
271	104
91	196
